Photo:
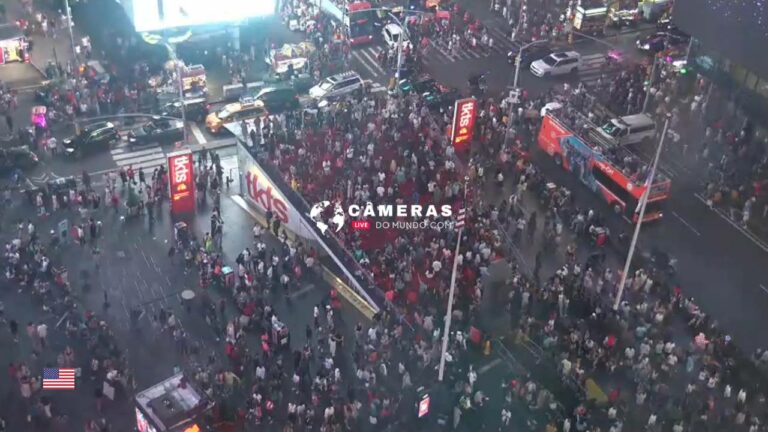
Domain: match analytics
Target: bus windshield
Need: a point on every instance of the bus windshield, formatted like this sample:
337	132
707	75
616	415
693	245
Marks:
363	27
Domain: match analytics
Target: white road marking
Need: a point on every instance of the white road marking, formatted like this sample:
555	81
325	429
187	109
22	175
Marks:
448	56
125	152
302	291
764	288
356	54
495	362
198	133
744	231
684	222
373	62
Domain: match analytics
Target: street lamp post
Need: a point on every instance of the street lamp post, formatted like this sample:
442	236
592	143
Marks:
452	292
515	90
642	205
650	84
69	28
180	83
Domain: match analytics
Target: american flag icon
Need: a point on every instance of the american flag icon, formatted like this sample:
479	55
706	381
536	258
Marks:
58	379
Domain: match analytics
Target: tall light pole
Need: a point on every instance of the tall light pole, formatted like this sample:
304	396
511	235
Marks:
516	91
650	84
643	203
70	24
452	291
177	63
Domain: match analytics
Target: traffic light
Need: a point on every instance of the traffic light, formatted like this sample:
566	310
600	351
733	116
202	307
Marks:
683	70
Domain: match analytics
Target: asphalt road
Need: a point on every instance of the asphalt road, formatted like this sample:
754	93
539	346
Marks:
717	263
135	272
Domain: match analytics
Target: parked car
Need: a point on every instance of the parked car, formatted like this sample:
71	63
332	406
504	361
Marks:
337	85
434	94
159	130
234	112
196	109
659	41
392	34
17	158
91	139
560	63
275	99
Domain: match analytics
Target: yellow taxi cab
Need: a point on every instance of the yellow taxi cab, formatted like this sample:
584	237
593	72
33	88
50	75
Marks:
234	112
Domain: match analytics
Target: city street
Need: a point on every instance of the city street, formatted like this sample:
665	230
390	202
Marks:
135	272
134	269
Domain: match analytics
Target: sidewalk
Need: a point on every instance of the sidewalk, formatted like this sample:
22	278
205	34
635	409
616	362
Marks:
45	49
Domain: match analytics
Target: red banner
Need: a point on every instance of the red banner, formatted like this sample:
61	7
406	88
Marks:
182	179
464	114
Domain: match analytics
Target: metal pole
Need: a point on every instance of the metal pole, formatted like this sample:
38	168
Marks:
399	55
650	83
688	51
180	81
452	291
643	203
518	61
69	28
449	311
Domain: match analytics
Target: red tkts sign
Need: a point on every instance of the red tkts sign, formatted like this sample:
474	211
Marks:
464	115
182	179
261	192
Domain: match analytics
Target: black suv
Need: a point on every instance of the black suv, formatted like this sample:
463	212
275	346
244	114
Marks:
275	99
93	138
196	109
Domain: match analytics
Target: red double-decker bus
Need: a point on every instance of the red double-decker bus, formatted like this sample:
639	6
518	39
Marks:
613	172
359	19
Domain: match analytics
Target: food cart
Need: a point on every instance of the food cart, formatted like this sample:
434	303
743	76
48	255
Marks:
590	21
194	79
281	336
296	55
13	44
173	405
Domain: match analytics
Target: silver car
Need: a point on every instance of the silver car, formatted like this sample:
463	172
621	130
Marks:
337	85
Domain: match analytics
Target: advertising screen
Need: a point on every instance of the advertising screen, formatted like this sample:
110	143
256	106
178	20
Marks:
182	181
150	15
259	190
463	122
732	27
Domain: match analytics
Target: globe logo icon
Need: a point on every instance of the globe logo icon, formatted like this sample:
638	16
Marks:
337	221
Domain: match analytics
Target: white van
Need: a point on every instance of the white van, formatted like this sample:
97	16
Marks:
631	129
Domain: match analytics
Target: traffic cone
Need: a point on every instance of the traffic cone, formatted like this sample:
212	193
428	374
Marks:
487	347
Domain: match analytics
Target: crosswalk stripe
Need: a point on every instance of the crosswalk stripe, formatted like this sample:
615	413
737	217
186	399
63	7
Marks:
362	61
441	50
374	63
140	159
125	150
592	57
118	154
147	166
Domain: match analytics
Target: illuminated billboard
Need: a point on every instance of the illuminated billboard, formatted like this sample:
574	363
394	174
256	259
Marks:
152	15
